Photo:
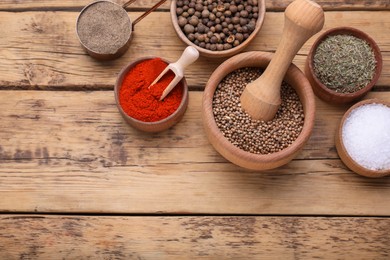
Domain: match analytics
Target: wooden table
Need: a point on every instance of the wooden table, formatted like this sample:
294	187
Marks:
76	182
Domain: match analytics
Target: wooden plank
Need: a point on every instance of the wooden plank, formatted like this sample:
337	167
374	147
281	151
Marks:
104	237
41	50
274	5
77	143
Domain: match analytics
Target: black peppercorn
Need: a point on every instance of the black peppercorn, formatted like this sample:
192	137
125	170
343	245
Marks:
182	21
227	13
194	21
191	11
218	28
201	28
233	9
248	8
239	37
199	7
201	37
235	20
213	39
243	21
179	11
244	13
191	37
188	28
227	46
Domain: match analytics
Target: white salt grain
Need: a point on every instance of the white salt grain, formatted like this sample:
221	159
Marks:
366	136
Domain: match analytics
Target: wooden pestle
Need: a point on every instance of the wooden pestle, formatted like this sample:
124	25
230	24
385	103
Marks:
261	98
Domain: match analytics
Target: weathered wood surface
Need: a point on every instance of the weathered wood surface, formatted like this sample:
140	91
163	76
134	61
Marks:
41	50
71	151
271	5
75	237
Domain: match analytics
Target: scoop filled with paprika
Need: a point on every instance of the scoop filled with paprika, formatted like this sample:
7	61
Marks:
140	105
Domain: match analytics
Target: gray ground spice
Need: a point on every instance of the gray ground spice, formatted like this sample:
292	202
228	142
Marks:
104	27
250	135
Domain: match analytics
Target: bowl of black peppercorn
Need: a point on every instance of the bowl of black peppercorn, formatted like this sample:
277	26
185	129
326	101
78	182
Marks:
217	29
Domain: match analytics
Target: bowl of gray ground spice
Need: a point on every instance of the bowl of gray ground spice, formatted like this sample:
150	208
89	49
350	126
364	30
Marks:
249	143
105	30
343	65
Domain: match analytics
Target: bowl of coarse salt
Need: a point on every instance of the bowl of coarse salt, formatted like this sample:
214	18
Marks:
363	138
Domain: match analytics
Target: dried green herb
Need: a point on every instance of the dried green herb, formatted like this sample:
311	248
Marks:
344	63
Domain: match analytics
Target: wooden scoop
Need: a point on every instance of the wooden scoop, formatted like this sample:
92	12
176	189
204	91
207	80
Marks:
261	98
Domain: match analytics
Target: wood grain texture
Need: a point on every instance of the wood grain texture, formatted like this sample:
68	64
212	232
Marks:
40	50
72	151
78	237
274	5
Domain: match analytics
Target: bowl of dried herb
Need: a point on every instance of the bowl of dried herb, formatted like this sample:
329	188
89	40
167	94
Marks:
343	64
247	142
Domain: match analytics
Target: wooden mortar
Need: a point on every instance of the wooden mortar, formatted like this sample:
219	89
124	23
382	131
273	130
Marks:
248	160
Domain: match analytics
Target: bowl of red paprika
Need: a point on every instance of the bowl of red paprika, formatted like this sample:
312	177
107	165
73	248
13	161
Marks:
140	104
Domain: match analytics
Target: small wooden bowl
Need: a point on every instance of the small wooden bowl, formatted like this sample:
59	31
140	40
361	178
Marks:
157	126
324	92
231	152
218	54
342	151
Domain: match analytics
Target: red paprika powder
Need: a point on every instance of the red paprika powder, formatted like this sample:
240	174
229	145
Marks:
143	103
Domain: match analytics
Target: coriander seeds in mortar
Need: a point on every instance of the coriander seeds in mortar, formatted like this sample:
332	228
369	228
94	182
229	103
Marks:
256	136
